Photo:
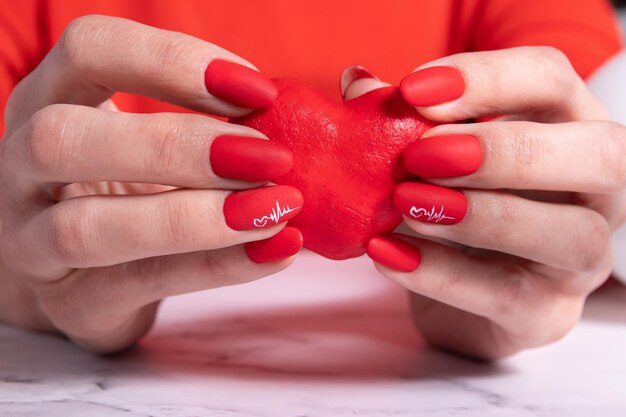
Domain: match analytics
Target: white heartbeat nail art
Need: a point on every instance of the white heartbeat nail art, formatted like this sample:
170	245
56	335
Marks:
275	215
431	216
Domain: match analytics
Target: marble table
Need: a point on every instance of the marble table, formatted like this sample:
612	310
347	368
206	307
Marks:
321	339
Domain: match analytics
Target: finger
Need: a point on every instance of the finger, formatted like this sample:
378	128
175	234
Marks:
523	155
357	80
67	143
106	309
97	231
185	273
505	292
536	81
99	55
152	279
567	237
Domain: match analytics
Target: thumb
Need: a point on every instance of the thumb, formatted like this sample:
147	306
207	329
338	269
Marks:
357	80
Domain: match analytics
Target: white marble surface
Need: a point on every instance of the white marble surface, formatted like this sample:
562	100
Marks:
321	339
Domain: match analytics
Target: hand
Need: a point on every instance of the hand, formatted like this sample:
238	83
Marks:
516	214
105	213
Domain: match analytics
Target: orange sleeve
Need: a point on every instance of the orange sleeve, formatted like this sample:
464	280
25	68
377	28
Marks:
587	31
22	44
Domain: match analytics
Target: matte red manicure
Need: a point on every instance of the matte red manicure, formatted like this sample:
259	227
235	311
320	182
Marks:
282	245
262	207
444	156
239	85
249	159
431	86
429	203
394	253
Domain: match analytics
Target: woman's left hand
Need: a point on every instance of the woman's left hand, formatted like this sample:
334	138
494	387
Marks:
529	200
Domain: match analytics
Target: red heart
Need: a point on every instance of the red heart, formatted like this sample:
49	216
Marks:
347	161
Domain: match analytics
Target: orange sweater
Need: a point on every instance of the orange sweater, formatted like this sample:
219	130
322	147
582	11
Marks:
315	40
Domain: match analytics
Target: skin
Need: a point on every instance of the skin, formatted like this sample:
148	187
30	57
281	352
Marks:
103	214
515	273
92	239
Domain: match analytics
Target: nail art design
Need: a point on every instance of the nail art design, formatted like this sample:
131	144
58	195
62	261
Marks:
262	207
431	215
275	215
430	203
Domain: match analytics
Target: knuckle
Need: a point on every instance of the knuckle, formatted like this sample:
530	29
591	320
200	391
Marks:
168	50
594	240
486	75
612	145
74	39
526	151
512	293
557	315
219	272
177	143
553	56
454	278
152	273
54	139
42	138
522	146
569	313
167	156
558	71
506	211
558	63
177	221
552	65
69	240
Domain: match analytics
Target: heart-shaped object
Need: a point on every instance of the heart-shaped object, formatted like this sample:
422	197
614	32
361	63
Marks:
347	161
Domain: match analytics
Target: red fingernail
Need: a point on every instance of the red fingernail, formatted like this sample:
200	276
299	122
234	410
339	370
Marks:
444	156
429	203
239	85
282	245
353	73
394	253
249	159
431	86
262	207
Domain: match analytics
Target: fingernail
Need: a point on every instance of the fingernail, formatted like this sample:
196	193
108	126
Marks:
262	207
444	156
353	73
431	86
282	245
239	85
394	253
249	159
429	203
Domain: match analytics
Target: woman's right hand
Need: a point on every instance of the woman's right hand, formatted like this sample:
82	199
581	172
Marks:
105	213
